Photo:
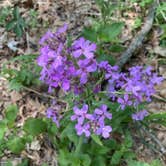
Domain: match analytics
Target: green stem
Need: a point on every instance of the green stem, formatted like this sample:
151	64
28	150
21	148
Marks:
80	142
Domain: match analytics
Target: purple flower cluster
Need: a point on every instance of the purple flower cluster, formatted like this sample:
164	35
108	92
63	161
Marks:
62	66
71	68
92	123
136	87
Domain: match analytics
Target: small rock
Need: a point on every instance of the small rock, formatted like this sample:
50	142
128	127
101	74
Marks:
35	145
163	93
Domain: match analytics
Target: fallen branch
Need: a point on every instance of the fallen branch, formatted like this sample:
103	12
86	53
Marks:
137	41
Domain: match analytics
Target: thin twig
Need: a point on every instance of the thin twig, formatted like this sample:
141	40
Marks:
162	148
44	95
27	40
159	98
137	41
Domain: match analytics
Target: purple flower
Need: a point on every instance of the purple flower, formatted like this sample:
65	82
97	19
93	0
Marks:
66	85
78	89
62	29
86	66
45	37
148	70
52	114
139	115
156	80
133	87
81	114
102	112
83	129
104	131
124	101
83	47
97	88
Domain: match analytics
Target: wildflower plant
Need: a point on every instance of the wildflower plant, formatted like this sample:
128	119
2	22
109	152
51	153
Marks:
93	110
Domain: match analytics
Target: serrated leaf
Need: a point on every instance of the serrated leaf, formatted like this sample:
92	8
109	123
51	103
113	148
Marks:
16	13
35	126
85	159
117	48
16	145
137	163
63	158
8	163
116	157
11	25
15	85
70	133
109	58
97	149
96	139
22	22
3	129
90	34
18	30
110	32
99	161
11	114
156	163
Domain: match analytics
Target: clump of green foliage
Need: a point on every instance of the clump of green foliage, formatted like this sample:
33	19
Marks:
17	23
25	75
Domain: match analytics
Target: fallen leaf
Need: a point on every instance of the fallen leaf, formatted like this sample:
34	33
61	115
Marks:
160	51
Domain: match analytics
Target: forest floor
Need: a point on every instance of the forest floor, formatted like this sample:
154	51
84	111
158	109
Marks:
52	14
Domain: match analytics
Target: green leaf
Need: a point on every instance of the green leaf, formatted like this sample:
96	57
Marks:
110	32
70	133
137	163
116	157
16	145
128	140
63	158
18	30
25	162
21	22
108	58
3	128
117	48
85	159
51	127
97	149
15	85
137	23
156	116
16	13
98	161
35	126
90	34
11	114
156	163
97	139
11	25
8	163
45	164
